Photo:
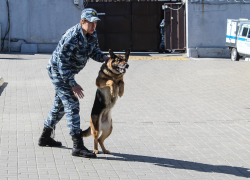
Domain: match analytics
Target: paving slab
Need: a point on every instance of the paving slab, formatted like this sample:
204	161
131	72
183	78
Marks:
179	118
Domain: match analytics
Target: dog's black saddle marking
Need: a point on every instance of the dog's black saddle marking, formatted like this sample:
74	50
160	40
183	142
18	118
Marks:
99	104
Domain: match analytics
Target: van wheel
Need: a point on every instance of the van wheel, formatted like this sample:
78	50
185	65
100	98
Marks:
235	55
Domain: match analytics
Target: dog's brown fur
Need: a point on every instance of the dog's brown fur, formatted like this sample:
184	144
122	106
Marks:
109	84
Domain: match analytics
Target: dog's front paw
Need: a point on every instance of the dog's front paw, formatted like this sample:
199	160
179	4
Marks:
120	94
111	85
96	151
113	94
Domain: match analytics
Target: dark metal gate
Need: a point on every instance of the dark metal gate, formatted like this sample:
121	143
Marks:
175	27
126	25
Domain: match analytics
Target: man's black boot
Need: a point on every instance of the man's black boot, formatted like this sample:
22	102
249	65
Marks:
46	140
79	149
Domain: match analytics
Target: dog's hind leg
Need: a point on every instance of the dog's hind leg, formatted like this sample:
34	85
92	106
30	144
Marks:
96	145
105	134
95	131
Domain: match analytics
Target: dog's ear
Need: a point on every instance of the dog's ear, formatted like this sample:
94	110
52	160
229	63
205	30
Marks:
127	54
111	53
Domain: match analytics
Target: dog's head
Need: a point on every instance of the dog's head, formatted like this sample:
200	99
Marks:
118	63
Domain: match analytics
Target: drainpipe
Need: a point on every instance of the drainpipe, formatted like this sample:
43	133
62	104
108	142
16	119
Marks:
9	31
186	1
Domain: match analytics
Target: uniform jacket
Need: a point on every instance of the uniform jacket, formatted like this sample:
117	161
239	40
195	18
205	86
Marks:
72	53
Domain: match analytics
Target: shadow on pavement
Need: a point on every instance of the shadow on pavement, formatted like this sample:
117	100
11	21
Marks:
180	164
3	87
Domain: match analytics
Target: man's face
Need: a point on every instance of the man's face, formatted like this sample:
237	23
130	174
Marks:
89	27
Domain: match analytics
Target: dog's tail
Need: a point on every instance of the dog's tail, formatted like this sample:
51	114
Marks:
86	133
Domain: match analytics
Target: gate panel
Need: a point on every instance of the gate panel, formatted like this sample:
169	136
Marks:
117	26
126	25
182	28
114	29
167	32
146	17
175	34
145	42
174	28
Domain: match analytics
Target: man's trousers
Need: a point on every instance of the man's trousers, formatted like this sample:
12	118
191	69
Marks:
65	103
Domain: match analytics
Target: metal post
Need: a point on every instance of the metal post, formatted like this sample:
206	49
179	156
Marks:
0	38
187	46
9	31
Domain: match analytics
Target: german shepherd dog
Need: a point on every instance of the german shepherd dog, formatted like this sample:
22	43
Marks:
110	85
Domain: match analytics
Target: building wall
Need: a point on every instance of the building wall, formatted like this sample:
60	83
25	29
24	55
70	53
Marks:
34	21
207	23
37	26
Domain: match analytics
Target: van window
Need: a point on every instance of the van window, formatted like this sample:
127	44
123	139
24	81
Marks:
244	32
248	34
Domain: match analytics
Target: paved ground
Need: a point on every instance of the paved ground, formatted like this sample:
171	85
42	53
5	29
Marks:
180	119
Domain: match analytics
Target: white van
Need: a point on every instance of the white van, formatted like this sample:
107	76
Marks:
238	38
